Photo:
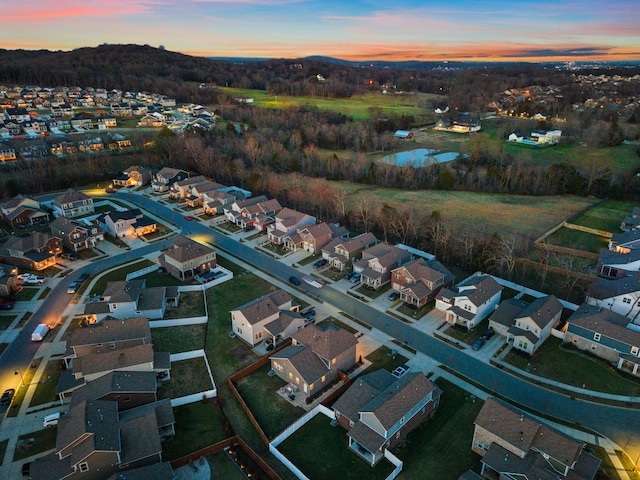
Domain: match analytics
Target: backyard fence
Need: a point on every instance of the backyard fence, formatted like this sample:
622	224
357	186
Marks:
178	322
142	271
194	397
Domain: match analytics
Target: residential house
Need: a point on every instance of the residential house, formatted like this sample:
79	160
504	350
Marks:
134	176
80	122
260	214
156	471
250	321
117	141
121	109
624	242
233	210
124	299
61	110
94	144
9	283
36	251
125	223
107	122
461	123
605	334
75	235
533	325
151	120
166	177
379	410
513	444
613	264
195	197
22	211
314	237
95	441
17	115
621	295
470	301
187	259
314	358
419	281
128	388
377	262
504	316
632	221
181	189
214	202
7	153
72	203
285	226
341	252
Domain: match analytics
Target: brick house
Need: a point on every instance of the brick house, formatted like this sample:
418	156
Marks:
36	251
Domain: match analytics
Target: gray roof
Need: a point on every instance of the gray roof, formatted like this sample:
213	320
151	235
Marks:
96	417
112	330
116	382
605	322
304	361
70	196
263	307
542	310
603	288
329	343
114	360
361	392
185	249
508	311
123	291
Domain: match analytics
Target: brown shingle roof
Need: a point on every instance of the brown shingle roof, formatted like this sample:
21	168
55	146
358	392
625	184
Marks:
112	331
114	360
328	343
185	249
70	196
361	392
263	307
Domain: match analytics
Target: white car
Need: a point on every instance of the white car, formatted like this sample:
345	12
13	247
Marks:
30	278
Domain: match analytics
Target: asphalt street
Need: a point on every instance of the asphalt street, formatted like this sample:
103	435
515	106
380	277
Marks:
620	424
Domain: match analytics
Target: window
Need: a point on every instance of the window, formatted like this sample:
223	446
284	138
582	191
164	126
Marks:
84	467
596	337
635	351
626	300
324	377
593	346
351	423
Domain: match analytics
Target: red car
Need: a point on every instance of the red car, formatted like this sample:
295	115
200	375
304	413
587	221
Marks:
188	218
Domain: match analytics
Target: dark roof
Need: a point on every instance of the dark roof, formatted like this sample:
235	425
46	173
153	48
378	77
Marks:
508	311
263	307
98	418
328	343
605	322
361	392
542	310
185	249
70	196
116	382
603	288
112	330
157	471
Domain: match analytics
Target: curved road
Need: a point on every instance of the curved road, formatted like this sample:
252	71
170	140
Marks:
620	424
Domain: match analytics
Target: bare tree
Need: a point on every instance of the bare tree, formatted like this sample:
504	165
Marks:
365	213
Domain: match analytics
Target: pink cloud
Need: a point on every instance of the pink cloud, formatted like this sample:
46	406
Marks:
47	10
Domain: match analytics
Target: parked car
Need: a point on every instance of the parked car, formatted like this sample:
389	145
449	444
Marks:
294	280
68	256
73	287
7	396
320	263
109	190
248	228
188	218
400	371
393	296
30	278
7	303
355	277
488	333
83	278
478	344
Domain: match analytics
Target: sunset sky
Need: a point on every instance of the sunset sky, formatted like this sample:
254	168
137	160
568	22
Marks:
350	29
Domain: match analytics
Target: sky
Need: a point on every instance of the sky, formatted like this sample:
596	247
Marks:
427	30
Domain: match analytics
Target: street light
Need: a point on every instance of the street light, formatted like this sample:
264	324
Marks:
17	372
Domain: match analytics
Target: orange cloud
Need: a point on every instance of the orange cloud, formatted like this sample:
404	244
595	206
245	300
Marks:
48	10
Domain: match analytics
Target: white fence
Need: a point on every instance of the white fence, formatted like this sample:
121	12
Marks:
228	275
142	271
287	432
178	322
194	397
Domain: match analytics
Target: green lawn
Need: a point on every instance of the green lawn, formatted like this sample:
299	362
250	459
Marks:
607	216
419	313
48	384
43	440
161	279
187	377
373	294
322	453
191	304
468	336
587	242
6	321
44	293
578	369
340	324
198	425
224	468
271	411
178	339
3	449
26	294
440	448
384	358
118	274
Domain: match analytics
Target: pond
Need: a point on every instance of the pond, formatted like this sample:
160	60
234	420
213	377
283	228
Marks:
421	157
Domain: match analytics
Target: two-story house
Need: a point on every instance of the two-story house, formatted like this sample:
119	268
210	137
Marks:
470	301
260	215
127	223
605	334
533	325
188	258
250	321
72	203
377	262
341	252
513	444
314	237
124	299
379	410
181	189
35	251
419	282
135	175
312	361
195	197
76	235
214	202
95	441
166	177
621	295
631	222
21	211
232	210
285	227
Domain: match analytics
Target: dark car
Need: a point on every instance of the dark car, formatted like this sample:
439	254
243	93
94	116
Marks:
393	296
7	396
478	344
110	190
488	333
320	263
294	280
83	278
7	303
248	228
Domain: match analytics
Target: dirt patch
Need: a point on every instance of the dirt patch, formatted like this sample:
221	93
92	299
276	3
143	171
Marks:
241	353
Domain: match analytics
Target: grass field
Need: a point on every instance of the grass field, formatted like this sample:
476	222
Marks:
187	377
178	339
358	107
524	216
607	216
588	242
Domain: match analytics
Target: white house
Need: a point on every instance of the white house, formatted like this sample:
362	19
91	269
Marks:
621	295
469	302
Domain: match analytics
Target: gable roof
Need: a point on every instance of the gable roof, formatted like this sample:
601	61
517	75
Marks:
263	307
605	322
70	196
114	359
604	288
124	291
307	363
478	289
508	311
111	330
185	249
361	392
327	343
120	381
542	310
98	418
